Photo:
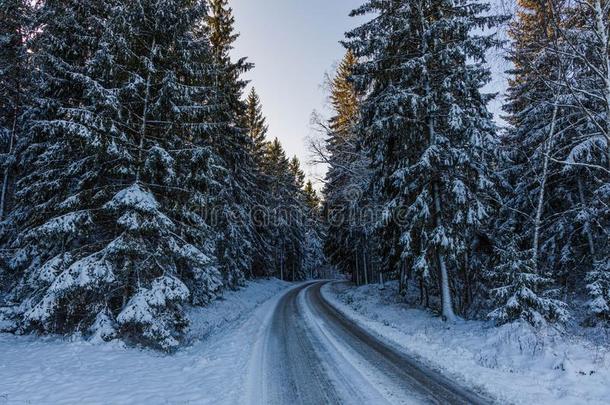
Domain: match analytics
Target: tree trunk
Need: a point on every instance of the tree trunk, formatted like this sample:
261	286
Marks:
447	303
601	28
144	116
365	268
581	196
467	300
5	180
282	266
401	278
541	196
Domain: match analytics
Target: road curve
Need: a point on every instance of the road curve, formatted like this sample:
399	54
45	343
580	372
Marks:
310	353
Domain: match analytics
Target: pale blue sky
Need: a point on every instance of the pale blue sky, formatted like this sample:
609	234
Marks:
293	44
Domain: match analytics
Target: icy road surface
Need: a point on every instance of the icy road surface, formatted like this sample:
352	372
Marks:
309	353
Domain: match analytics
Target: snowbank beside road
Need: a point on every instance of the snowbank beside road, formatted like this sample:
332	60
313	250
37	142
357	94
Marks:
232	307
514	363
54	371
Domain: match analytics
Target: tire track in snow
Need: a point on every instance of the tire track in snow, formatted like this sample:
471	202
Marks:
307	352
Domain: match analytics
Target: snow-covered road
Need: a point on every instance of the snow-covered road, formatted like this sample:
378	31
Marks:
307	352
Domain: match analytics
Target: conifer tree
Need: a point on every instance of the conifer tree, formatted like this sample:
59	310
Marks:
59	160
428	128
313	249
517	284
344	97
297	172
221	24
256	125
237	234
311	197
287	212
347	189
277	167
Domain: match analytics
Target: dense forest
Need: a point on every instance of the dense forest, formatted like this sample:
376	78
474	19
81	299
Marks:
508	223
138	178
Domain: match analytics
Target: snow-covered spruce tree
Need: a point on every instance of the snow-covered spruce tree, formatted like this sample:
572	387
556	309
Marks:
540	198
256	125
276	167
300	219
236	201
340	148
282	222
121	245
349	236
313	249
428	128
598	287
168	99
285	213
517	296
60	160
311	197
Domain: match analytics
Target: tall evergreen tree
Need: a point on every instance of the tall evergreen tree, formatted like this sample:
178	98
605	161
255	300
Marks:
311	197
256	125
277	167
58	160
313	249
237	234
349	237
428	128
297	173
221	23
287	214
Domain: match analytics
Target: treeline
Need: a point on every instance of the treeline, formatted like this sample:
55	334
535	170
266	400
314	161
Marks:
508	223
135	177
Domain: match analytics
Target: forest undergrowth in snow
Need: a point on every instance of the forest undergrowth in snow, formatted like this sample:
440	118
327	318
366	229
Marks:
515	363
207	370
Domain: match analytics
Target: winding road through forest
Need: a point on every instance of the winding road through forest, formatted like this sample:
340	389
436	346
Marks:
310	353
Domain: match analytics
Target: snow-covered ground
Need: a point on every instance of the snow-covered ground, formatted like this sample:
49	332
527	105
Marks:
514	363
54	371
